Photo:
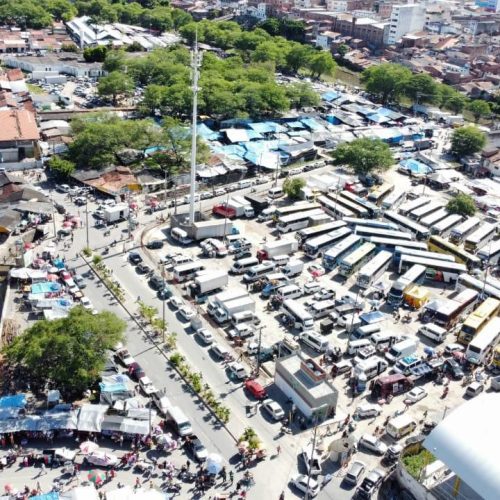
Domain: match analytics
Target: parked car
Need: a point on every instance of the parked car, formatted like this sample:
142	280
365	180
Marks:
125	357
136	371
356	470
453	367
306	485
176	302
205	336
219	351
196	448
156	282
316	270
186	313
452	348
237	370
165	293
372	443
79	280
415	395
474	389
142	268
242	254
147	386
324	294
367	410
370	483
273	409
134	258
154	245
86	303
311	287
255	389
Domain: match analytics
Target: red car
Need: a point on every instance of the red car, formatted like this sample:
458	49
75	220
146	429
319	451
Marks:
255	389
135	371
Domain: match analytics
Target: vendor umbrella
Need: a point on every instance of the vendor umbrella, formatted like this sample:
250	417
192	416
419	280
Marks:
96	476
88	447
214	463
52	277
8	487
67	223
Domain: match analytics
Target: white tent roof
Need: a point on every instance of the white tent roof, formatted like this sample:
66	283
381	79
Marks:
127	493
81	493
468	440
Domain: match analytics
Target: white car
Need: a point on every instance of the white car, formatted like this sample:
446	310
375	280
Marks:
311	287
324	294
102	459
367	410
306	484
416	394
176	302
372	443
147	386
237	370
186	313
219	351
451	348
86	303
205	336
125	357
273	409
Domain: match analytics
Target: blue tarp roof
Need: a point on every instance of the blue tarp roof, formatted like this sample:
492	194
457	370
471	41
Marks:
112	387
266	159
312	124
207	133
234	151
415	166
15	401
393	115
266	127
295	125
373	317
46	287
53	495
375	117
330	96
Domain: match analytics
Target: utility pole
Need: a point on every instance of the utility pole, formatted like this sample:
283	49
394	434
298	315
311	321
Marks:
195	66
309	474
258	349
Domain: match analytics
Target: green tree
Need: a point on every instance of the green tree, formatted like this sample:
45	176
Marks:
386	81
321	63
456	103
153	99
68	353
301	95
62	10
292	187
114	61
69	47
24	14
467	141
115	85
422	88
462	204
298	57
95	54
479	109
60	167
342	50
364	155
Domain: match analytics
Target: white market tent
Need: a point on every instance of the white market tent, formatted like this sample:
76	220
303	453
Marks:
81	493
127	493
468	440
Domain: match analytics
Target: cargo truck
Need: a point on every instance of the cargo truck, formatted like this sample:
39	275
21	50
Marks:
222	297
118	212
209	283
241	207
227	309
278	247
294	267
224	211
213	229
258	203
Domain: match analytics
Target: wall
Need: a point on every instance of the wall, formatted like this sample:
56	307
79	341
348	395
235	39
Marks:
407	481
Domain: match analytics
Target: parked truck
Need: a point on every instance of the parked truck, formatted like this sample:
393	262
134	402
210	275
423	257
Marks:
258	203
293	268
278	247
241	207
209	283
227	309
224	210
222	297
118	212
213	229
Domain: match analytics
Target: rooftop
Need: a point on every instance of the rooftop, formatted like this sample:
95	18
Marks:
18	125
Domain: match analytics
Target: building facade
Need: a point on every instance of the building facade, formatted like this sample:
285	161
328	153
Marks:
405	19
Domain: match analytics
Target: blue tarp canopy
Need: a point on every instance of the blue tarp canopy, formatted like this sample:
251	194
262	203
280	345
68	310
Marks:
53	495
393	115
377	118
415	166
312	124
46	287
15	401
295	125
266	159
266	127
330	96
373	317
154	149
233	151
207	133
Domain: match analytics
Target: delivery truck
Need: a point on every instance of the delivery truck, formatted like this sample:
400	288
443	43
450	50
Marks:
225	312
209	283
212	229
116	213
226	296
241	207
258	203
294	267
278	247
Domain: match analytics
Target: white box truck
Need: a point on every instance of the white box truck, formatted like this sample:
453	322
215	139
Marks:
226	296
228	309
293	268
206	283
213	228
247	206
240	209
118	212
278	247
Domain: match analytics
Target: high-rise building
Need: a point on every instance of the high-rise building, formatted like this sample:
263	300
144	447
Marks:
405	19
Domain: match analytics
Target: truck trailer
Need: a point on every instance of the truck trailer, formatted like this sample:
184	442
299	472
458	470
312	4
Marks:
224	313
278	247
209	283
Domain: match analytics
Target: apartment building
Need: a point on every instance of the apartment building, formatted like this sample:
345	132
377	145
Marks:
405	19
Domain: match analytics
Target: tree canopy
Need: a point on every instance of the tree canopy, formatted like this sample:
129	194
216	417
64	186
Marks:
462	204
69	353
479	109
292	187
467	141
115	85
386	81
364	155
60	167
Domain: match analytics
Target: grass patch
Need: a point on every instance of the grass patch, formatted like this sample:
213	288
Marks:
35	89
415	463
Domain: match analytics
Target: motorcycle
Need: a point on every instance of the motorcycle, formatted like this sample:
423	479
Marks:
107	232
105	251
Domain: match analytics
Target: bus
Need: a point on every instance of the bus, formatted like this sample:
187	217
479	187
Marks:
414	276
366	232
379	224
399	251
406	224
334	254
480	237
437	270
318	246
476	321
312	232
380	192
299	220
187	271
440	245
372	271
443	227
448	314
300	206
391	245
356	259
335	209
373	210
411	205
393	200
491	253
481	346
468	226
434	217
300	318
425	210
355	208
484	287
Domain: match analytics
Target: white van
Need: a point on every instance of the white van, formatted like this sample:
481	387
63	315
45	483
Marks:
355	345
400	350
433	332
244	317
179	421
180	235
289	292
242	265
161	402
383	340
400	426
350	322
280	260
275	192
363	332
314	341
371	367
245	184
257	272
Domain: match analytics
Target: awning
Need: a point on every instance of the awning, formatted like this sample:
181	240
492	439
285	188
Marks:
25	273
90	417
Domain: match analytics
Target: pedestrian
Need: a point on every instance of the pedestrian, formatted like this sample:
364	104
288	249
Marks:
282	496
43	469
425	413
278	450
188	464
121	440
231	477
137	483
223	474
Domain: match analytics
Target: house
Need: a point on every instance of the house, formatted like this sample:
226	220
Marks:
19	135
490	161
308	385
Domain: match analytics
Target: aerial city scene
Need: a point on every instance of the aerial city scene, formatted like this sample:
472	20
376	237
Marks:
249	249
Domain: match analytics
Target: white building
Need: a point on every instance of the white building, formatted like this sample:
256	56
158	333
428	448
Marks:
405	19
258	11
336	5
